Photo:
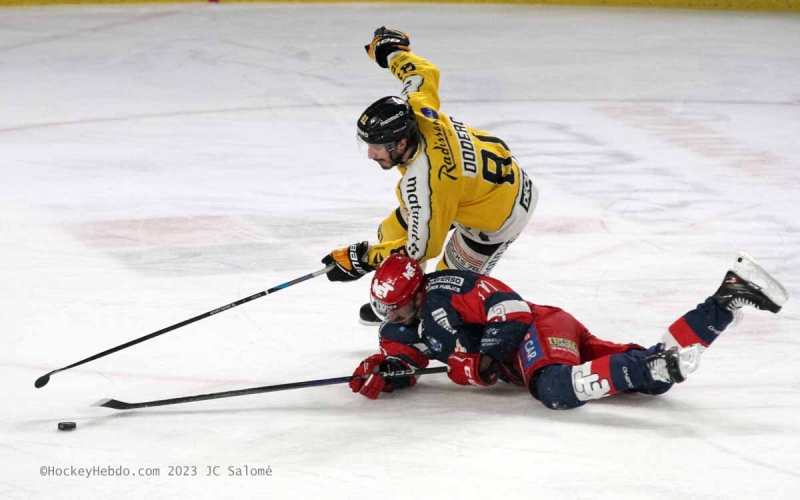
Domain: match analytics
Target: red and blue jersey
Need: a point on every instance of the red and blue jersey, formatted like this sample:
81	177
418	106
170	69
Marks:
462	312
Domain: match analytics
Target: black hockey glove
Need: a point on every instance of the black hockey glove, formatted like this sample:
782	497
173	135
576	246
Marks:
385	42
350	262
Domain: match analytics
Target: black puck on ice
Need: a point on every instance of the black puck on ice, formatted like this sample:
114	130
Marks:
67	426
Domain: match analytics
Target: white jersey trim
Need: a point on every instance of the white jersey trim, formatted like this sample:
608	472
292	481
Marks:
498	312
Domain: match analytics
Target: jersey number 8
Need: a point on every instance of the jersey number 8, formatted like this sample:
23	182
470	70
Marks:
494	165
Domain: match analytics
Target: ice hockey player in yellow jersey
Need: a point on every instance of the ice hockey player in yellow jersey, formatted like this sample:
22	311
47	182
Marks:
453	177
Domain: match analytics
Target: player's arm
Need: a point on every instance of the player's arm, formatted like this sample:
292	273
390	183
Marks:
392	236
400	351
391	49
430	205
506	318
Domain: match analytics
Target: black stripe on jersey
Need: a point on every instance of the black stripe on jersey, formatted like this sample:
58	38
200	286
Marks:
430	201
494	140
399	214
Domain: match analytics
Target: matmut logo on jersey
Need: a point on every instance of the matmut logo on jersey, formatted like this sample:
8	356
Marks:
381	288
414	209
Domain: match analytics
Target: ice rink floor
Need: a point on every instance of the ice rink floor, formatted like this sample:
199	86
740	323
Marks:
161	161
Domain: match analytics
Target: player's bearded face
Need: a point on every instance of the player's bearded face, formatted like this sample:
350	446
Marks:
382	155
404	315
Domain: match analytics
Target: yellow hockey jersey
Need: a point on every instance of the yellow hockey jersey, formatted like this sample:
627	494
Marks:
457	175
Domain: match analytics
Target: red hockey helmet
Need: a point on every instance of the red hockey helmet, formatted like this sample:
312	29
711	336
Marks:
396	283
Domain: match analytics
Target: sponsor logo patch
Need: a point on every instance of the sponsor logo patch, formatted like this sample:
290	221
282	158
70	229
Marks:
563	344
627	376
450	280
429	113
442	144
440	317
527	185
392	118
531	350
414	208
434	344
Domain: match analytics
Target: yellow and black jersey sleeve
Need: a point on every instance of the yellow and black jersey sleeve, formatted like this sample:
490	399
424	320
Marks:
392	237
420	79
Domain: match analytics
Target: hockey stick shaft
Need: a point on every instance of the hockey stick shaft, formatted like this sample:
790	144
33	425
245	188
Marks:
44	379
121	405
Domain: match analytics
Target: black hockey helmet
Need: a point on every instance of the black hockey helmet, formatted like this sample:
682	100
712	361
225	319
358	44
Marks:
386	121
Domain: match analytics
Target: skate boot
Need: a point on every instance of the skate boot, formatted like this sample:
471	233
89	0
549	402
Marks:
674	365
747	284
368	317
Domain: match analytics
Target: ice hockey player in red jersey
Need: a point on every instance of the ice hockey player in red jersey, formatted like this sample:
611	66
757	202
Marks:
453	177
485	332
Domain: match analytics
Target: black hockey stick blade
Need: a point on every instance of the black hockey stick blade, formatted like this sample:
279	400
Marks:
122	405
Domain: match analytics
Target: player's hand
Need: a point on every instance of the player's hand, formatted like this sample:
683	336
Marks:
384	42
367	379
465	369
349	262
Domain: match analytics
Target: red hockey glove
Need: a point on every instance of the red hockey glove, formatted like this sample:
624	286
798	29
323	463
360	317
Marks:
384	42
350	262
465	370
367	380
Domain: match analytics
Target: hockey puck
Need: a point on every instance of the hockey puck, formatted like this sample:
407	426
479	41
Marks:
67	426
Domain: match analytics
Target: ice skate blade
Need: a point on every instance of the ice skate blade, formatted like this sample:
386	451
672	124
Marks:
748	269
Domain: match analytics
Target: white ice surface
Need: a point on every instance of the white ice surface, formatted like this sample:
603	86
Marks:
161	161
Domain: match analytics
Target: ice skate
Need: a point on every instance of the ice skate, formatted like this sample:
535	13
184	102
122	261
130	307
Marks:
747	284
674	365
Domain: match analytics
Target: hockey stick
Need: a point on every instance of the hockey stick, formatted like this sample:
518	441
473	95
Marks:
121	405
44	379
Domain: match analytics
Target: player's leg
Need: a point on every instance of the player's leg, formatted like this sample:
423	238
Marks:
479	251
564	365
653	371
549	350
746	284
466	251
